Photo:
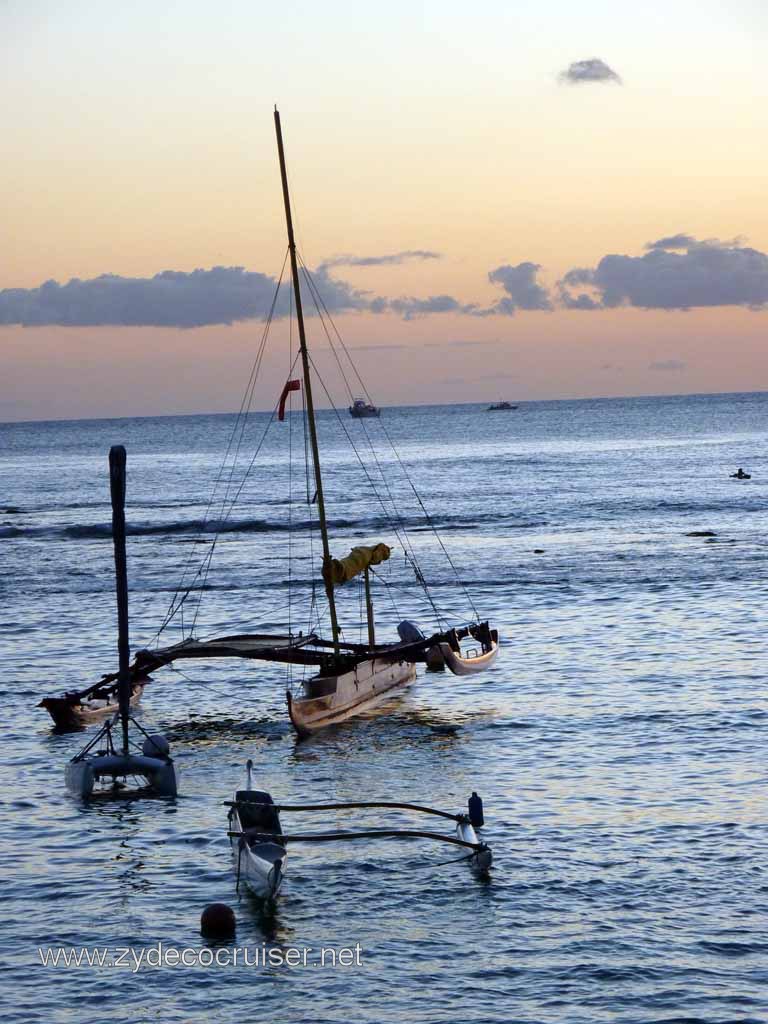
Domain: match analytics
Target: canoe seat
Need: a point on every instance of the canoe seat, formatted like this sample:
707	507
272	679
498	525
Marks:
253	796
257	811
320	686
267	851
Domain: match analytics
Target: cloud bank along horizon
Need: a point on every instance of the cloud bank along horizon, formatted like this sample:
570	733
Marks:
676	272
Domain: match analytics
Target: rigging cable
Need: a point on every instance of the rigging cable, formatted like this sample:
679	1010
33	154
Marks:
237	494
424	511
394	517
177	601
419	576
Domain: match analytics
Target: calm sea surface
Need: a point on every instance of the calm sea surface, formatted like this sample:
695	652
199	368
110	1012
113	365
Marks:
619	743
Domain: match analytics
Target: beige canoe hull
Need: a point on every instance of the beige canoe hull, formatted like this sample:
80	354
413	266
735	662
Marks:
333	699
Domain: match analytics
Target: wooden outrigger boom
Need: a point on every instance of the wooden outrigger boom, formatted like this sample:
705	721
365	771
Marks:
390	804
374	833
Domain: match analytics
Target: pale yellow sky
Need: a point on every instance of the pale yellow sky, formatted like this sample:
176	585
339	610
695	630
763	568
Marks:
139	140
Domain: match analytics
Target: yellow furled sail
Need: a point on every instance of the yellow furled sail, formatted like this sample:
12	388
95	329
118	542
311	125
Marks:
341	570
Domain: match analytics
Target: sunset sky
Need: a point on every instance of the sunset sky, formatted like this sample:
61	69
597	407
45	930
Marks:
515	200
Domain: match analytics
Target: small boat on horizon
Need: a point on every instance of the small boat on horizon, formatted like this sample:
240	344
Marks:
500	407
360	410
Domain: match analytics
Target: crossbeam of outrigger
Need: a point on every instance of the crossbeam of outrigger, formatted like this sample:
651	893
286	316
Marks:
301	649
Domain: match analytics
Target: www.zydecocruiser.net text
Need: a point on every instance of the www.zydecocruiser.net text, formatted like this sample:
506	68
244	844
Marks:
160	955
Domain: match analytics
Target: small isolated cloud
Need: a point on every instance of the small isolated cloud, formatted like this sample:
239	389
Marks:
461	343
667	366
410	308
521	286
678	272
592	70
392	259
362	349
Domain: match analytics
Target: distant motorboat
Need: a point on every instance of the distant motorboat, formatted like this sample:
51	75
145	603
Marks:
500	407
361	409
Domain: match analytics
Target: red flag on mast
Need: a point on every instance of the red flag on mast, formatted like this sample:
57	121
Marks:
290	385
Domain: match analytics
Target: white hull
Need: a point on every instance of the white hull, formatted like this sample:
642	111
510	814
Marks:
260	865
464	666
481	860
333	699
82	775
262	874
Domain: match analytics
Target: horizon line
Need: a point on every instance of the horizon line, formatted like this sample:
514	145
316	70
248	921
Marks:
409	405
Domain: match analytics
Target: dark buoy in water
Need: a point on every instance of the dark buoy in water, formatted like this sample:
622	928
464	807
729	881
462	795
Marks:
475	807
218	922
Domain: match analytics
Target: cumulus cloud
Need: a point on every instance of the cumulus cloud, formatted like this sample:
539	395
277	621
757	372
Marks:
681	241
519	282
674	272
172	298
592	70
522	289
667	365
225	295
678	272
579	277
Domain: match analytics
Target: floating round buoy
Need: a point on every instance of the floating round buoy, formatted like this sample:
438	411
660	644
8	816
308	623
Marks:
155	746
218	921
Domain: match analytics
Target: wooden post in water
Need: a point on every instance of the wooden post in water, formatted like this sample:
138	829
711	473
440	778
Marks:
117	495
369	609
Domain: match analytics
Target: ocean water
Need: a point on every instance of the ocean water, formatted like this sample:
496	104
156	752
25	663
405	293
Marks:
619	742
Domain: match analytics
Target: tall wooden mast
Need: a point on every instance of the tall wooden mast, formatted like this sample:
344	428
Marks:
307	386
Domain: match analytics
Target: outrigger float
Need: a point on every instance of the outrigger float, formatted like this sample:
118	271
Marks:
349	677
259	845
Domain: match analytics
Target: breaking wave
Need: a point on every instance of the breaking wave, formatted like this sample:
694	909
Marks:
200	527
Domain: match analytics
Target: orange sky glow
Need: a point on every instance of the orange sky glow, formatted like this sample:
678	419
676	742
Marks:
141	142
